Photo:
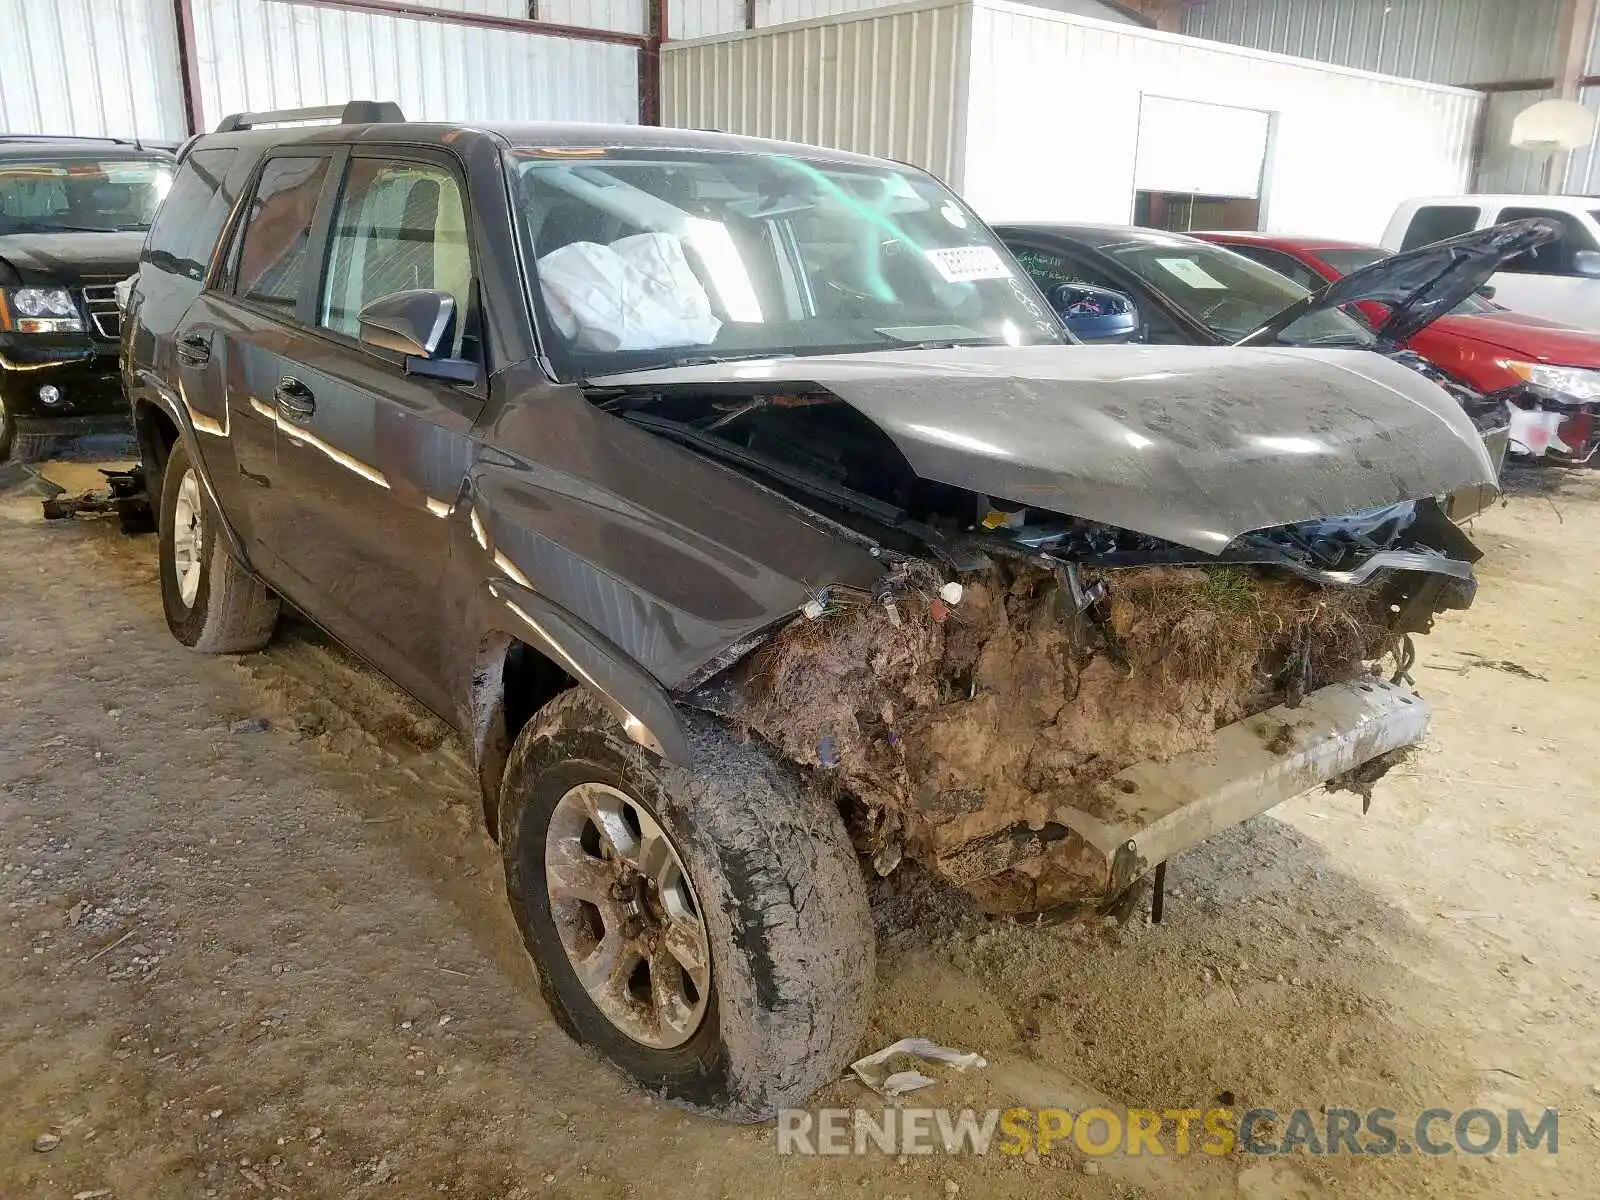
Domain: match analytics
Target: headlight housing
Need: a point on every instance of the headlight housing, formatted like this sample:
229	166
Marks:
1580	383
40	310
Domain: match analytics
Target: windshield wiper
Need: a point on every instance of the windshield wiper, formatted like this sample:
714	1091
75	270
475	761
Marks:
711	360
1333	339
24	226
945	344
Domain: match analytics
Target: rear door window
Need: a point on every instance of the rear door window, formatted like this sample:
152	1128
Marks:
190	219
274	257
1552	258
1435	222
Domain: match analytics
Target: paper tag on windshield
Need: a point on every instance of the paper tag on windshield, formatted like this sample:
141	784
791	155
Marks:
1192	273
963	264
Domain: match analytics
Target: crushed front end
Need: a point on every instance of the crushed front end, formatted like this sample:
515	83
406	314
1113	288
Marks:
1046	727
1041	707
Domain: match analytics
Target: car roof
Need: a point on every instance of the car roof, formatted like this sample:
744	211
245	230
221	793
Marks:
1097	236
1509	199
1289	241
552	135
14	145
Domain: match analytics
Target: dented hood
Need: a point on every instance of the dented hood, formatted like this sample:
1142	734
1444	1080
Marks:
1195	445
1420	285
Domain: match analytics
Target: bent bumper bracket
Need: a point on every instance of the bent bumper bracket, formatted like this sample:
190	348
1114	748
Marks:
1153	810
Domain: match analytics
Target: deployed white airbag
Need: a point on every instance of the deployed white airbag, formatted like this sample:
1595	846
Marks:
638	293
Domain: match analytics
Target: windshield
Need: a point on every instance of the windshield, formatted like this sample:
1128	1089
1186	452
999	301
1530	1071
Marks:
1345	259
95	195
1229	294
657	257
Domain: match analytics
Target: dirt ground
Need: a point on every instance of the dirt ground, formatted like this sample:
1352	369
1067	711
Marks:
254	943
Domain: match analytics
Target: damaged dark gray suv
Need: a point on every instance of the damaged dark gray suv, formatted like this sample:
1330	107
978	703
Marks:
748	511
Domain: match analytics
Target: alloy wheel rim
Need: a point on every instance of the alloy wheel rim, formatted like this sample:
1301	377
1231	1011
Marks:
627	915
187	539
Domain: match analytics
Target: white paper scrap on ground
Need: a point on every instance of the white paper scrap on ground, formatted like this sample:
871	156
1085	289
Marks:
870	1070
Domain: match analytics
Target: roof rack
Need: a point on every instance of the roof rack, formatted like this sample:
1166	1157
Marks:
357	112
66	137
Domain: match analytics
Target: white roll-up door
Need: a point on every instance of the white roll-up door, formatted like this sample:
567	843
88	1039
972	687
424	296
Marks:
1203	149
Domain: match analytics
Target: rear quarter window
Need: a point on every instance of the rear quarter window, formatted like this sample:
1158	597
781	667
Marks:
1435	222
274	256
190	220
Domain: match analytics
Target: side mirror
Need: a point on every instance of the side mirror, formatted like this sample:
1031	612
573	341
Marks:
420	324
412	322
1586	263
1096	314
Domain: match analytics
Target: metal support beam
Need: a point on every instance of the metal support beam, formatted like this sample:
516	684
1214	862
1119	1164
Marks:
1577	31
188	65
655	21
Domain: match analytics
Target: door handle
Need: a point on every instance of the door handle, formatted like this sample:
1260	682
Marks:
294	399
194	348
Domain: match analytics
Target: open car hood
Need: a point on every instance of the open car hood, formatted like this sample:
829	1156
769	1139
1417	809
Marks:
1194	445
1420	285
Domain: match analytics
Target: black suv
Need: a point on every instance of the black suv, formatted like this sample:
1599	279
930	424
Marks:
73	213
748	511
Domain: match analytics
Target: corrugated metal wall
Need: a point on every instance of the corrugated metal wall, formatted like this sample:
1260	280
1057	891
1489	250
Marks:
708	18
1505	168
885	84
703	18
781	12
1345	147
90	67
1032	114
268	54
1447	41
490	8
627	16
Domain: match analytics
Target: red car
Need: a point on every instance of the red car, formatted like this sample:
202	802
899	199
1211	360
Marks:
1548	372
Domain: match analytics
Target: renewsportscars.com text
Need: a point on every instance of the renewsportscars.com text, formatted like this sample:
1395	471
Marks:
1177	1131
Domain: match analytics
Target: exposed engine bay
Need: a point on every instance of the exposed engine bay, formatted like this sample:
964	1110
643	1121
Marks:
969	711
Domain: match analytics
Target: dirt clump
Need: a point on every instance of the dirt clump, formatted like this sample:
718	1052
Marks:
967	734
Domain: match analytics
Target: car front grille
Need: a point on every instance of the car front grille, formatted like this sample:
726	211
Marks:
101	301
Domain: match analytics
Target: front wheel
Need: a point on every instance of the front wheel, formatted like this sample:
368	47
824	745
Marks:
212	603
707	931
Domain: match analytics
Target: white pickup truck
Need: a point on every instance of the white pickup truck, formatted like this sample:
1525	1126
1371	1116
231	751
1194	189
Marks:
1559	280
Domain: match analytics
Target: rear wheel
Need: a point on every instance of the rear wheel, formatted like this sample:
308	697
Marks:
212	603
707	930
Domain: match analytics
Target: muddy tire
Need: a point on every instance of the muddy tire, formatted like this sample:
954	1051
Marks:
8	431
212	603
755	869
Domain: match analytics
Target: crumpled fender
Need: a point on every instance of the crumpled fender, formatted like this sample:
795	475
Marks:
639	703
